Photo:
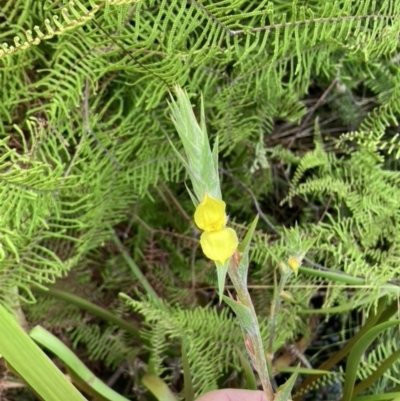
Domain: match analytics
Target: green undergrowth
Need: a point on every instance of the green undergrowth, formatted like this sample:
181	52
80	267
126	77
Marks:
303	99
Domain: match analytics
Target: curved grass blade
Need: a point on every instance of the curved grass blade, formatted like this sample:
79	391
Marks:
158	388
381	369
356	353
284	391
394	396
187	377
31	364
251	383
85	377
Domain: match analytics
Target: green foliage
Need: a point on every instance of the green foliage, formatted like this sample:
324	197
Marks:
374	357
82	377
83	147
111	346
33	365
158	388
208	335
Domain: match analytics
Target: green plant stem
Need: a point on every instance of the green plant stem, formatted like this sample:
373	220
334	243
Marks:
90	307
136	271
353	282
275	307
255	348
345	278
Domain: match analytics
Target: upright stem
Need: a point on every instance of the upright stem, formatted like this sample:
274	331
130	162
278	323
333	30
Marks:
276	304
253	340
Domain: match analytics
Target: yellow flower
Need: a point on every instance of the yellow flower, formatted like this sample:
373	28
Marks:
210	214
294	263
219	245
217	241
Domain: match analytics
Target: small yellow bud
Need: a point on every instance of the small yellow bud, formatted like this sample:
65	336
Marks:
210	214
294	263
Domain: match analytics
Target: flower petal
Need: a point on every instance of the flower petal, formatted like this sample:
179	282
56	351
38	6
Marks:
219	245
210	214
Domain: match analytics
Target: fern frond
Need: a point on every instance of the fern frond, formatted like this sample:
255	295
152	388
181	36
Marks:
209	355
381	351
209	335
110	346
81	16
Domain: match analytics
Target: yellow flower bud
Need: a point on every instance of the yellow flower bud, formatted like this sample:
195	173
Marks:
294	263
219	245
210	214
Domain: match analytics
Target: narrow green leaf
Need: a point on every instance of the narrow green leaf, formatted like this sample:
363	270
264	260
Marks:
158	388
31	364
395	396
251	383
284	391
91	308
382	314
379	372
192	196
180	157
215	154
244	248
245	244
242	313
187	377
305	371
221	274
137	273
356	353
74	364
